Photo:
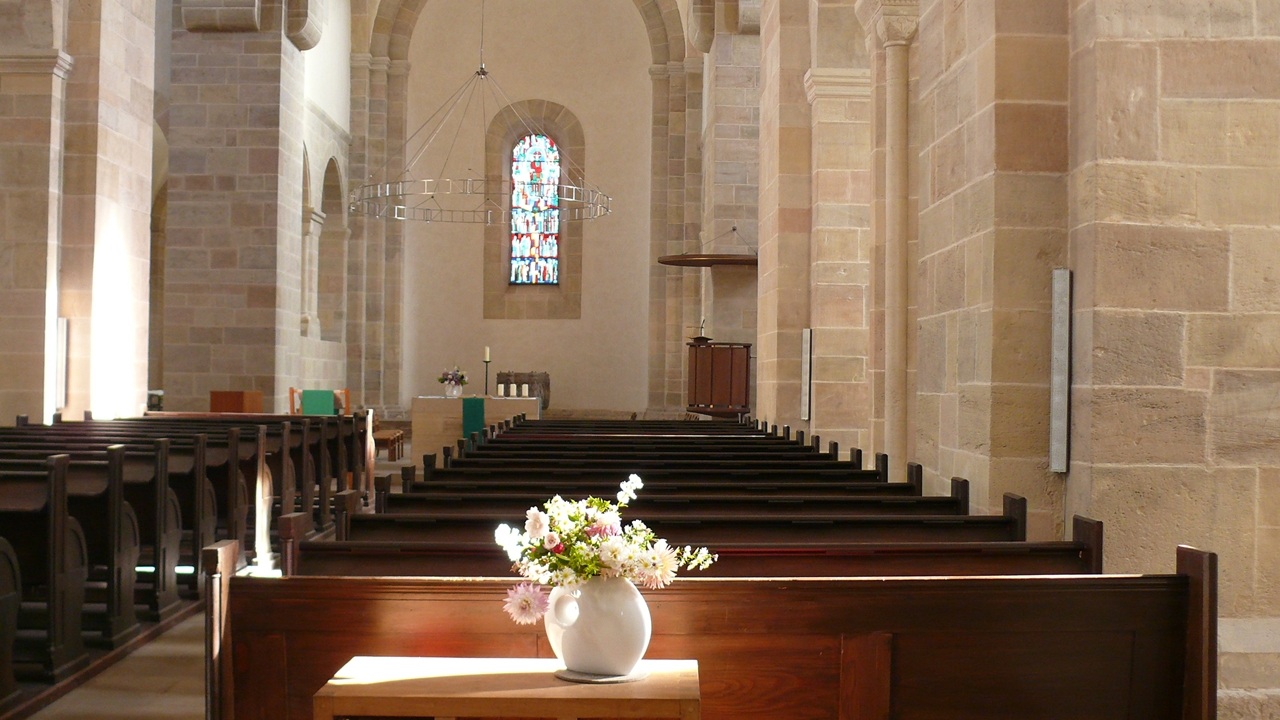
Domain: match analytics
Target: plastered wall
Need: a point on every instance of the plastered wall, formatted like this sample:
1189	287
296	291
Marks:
597	361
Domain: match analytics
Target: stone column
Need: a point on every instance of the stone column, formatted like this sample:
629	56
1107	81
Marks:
360	226
785	208
659	274
32	92
896	32
233	264
840	269
375	259
312	227
104	284
731	177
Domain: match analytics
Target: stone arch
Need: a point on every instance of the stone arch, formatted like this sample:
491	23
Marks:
312	224
332	262
395	20
549	302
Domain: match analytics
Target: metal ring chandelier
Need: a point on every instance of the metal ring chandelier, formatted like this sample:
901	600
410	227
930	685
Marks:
391	200
408	196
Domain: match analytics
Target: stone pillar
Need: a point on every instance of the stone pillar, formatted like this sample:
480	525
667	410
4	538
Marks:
233	266
1175	245
309	308
360	225
785	208
840	269
105	273
393	254
731	177
659	274
896	33
375	234
32	93
992	128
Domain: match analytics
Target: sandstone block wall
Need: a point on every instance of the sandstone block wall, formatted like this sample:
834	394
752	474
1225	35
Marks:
992	124
1173	220
785	208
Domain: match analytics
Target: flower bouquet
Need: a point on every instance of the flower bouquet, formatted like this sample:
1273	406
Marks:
453	377
597	622
453	380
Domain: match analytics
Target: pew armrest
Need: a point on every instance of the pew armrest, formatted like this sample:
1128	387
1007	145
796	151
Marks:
960	492
346	504
381	489
219	563
408	476
1015	507
1089	532
1200	686
292	528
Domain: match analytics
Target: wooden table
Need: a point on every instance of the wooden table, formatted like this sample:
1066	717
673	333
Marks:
447	688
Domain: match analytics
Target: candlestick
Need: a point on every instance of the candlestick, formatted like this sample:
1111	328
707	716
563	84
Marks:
486	372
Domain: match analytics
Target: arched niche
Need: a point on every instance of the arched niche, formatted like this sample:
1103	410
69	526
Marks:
332	265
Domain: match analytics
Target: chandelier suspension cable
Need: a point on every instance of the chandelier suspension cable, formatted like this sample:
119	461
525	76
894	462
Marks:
528	123
470	84
448	105
406	197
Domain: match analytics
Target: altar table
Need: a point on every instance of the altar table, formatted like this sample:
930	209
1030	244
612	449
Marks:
447	688
437	421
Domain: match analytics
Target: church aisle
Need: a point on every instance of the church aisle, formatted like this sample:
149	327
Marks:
162	680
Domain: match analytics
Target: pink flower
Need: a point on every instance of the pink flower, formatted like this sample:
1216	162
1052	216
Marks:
658	566
551	541
526	603
601	530
536	523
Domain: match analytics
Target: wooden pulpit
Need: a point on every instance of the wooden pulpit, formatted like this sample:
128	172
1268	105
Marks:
719	378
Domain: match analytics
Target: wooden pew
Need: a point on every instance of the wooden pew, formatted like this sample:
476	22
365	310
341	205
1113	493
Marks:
445	559
206	472
1044	647
51	553
95	498
154	505
509	501
349	441
10	602
697	529
605	477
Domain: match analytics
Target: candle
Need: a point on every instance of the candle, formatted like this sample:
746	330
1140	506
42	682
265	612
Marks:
486	353
524	390
502	390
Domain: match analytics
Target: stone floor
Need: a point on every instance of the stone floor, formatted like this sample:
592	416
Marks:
162	680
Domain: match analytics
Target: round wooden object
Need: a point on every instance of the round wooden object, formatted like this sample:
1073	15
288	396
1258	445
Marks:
708	260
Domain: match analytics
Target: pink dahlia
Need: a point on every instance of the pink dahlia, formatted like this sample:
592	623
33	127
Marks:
526	603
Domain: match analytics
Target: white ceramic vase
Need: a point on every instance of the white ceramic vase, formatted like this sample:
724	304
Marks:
452	390
602	627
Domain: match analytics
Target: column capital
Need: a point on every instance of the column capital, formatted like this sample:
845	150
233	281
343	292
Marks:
895	21
659	72
398	67
361	60
837	84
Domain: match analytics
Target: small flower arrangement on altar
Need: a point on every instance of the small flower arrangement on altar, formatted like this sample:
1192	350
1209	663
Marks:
568	543
453	377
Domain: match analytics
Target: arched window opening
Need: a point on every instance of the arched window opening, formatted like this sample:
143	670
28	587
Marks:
535	212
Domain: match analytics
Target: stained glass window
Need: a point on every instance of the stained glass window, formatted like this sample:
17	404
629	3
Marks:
535	212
